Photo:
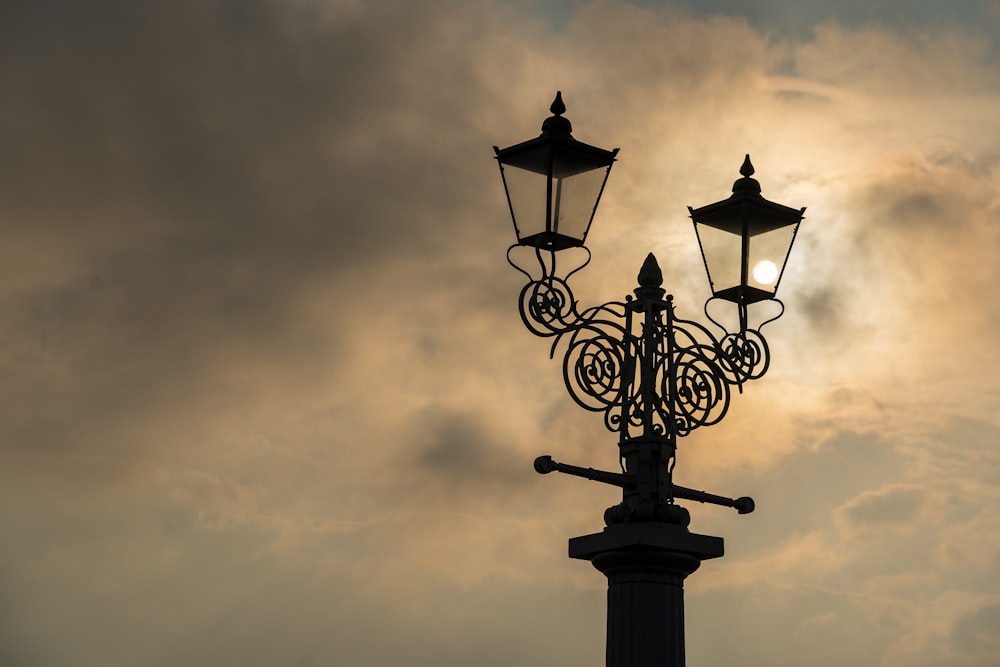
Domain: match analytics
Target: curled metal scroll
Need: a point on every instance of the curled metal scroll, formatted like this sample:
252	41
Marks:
746	350
547	305
702	394
599	361
747	355
648	372
696	377
689	385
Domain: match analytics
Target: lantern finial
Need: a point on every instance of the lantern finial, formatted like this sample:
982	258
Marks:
556	125
558	106
746	186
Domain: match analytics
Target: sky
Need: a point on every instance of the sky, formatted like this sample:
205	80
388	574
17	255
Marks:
267	400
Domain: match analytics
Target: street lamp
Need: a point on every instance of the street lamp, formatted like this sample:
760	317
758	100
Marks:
654	376
553	184
745	241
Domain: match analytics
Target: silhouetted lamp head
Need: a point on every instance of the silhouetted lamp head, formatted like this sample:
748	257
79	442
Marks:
745	241
554	183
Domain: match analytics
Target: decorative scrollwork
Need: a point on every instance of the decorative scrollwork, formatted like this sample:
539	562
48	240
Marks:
747	355
599	358
548	307
661	385
650	373
691	388
701	391
746	351
595	366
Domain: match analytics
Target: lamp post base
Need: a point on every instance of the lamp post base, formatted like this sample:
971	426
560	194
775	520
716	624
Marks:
646	564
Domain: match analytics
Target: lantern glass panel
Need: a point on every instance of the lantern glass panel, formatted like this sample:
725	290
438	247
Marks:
766	257
723	256
575	194
527	192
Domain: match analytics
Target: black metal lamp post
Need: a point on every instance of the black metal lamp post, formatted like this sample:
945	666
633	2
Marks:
745	241
554	184
654	376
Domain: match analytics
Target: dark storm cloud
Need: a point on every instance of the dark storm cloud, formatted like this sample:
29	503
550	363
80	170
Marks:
781	17
457	453
920	200
801	17
177	176
230	129
814	481
825	309
976	631
924	215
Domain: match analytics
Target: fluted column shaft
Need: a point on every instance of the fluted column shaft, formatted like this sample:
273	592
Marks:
646	564
645	607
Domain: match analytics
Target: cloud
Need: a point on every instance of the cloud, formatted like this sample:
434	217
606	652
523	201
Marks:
894	505
974	633
265	386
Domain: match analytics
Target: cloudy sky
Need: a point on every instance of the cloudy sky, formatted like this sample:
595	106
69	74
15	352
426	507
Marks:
267	400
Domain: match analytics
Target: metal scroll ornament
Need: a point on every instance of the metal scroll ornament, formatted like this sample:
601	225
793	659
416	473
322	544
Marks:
653	375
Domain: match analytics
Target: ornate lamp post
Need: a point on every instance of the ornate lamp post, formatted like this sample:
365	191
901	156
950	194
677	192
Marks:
654	376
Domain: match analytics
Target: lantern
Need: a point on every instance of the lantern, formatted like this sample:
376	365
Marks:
553	184
745	241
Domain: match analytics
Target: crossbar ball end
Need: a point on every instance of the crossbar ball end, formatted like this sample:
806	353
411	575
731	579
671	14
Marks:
743	505
544	465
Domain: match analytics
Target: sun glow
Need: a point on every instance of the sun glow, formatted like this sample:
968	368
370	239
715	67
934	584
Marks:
765	272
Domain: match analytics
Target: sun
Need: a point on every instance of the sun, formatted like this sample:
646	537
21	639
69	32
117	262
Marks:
765	272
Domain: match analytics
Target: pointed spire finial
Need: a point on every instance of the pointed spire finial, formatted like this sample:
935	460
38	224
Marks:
558	125
650	274
558	107
650	279
746	186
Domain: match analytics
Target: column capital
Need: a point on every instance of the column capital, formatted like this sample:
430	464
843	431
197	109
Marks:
647	536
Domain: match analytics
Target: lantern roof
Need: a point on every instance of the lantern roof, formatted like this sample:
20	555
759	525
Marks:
746	206
556	138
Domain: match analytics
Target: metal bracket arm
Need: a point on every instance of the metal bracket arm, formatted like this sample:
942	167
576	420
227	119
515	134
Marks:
743	505
544	465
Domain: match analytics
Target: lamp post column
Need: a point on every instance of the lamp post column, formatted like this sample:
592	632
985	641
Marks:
646	564
645	606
